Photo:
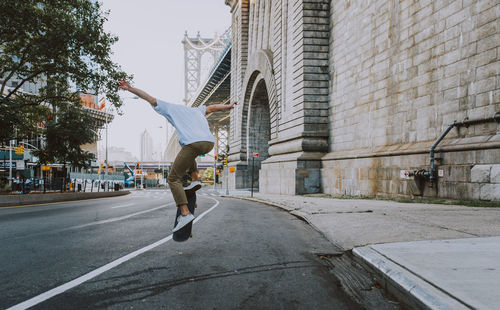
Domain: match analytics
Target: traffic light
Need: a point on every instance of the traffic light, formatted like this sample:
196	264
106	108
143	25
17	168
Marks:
225	161
216	156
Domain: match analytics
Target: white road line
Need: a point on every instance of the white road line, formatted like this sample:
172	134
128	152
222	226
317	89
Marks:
199	217
118	218
88	276
123	206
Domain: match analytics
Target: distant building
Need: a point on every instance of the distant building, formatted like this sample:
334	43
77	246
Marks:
97	109
116	154
146	146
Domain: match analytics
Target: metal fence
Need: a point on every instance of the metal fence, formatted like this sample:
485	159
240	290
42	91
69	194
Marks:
60	184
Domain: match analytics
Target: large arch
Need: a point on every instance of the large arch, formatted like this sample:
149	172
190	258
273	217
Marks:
258	129
259	70
259	94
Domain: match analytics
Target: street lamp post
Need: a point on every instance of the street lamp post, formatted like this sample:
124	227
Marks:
160	155
10	163
106	173
106	187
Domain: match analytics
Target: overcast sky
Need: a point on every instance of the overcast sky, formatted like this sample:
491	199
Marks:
149	47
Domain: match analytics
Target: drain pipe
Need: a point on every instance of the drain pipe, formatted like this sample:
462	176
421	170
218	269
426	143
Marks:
431	174
465	122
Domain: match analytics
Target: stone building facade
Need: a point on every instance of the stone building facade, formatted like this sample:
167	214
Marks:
348	97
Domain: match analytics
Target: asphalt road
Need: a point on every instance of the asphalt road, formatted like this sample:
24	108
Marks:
117	253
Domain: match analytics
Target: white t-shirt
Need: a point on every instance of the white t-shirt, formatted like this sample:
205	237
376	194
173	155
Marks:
190	123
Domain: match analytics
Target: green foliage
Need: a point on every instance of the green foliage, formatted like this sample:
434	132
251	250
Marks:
209	174
58	45
24	119
64	136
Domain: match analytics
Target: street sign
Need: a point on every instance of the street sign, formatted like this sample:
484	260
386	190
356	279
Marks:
255	154
19	150
6	165
45	168
232	169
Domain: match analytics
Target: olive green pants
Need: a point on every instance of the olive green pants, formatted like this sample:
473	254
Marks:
184	161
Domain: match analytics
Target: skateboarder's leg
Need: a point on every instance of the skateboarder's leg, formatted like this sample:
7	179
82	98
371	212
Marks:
184	161
193	171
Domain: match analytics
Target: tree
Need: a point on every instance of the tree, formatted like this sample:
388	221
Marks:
64	136
208	174
19	121
62	47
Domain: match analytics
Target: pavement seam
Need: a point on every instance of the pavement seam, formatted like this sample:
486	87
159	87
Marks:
423	223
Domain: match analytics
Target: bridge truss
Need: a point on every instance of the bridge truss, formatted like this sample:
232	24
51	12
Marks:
194	49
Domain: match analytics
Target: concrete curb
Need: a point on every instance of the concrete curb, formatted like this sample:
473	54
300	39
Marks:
405	285
29	199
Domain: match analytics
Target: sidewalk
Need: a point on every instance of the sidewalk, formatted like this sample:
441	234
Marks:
430	255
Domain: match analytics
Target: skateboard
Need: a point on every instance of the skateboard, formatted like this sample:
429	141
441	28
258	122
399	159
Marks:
185	232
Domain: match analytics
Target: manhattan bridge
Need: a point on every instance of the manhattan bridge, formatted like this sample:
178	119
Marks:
213	87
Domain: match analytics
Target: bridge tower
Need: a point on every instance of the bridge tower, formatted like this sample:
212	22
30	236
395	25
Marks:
194	49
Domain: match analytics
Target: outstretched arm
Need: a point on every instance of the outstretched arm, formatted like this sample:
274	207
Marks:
220	107
140	93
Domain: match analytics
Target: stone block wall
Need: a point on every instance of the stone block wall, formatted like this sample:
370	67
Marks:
402	71
487	178
466	175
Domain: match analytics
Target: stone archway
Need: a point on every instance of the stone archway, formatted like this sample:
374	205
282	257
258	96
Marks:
258	129
259	70
259	94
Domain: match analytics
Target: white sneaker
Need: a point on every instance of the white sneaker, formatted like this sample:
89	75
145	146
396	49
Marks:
183	221
193	187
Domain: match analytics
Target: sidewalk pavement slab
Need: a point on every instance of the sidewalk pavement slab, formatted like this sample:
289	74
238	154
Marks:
439	274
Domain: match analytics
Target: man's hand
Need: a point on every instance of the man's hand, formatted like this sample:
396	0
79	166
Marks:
142	94
124	85
220	107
